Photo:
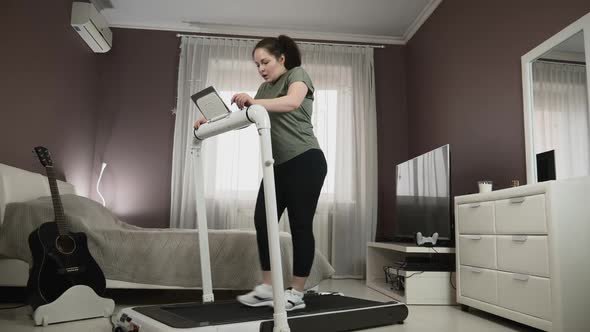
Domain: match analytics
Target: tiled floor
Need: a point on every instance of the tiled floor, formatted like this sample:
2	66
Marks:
421	318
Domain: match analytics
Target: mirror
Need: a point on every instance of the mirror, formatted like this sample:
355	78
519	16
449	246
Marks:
561	131
556	107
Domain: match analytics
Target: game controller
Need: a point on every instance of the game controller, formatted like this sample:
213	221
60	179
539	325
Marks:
422	240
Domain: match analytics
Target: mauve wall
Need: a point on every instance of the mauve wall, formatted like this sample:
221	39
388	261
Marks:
392	129
89	108
460	75
48	89
136	126
464	83
135	135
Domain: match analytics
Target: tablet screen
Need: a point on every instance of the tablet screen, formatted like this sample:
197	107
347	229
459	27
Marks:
210	103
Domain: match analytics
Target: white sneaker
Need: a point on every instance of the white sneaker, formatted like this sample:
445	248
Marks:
293	300
260	296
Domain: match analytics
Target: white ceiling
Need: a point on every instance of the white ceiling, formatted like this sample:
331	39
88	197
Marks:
367	21
572	49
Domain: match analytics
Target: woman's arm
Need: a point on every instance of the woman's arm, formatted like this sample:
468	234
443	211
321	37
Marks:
295	95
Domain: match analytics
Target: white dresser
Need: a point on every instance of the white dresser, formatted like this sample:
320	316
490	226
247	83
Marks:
523	253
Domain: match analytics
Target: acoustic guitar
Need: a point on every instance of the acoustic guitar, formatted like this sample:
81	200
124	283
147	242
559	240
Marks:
61	258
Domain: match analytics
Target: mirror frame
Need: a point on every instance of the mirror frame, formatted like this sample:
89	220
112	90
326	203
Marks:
582	24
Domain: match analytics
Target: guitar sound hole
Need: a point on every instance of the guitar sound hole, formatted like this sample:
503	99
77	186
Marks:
65	244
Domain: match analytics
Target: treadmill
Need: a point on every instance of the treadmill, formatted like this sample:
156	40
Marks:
325	312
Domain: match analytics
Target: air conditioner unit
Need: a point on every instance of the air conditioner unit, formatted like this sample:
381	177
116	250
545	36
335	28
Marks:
91	26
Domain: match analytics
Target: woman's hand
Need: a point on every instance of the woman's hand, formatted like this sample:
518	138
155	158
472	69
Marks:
200	122
242	100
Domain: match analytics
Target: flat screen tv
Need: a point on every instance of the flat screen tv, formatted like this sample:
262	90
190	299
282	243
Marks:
423	198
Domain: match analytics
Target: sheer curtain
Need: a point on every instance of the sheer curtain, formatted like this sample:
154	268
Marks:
346	126
344	121
561	115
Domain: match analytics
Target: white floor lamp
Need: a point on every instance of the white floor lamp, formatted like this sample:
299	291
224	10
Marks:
104	165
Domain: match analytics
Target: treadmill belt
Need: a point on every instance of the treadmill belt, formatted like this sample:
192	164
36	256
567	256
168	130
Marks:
191	315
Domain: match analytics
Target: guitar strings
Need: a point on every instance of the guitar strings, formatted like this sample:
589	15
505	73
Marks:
59	214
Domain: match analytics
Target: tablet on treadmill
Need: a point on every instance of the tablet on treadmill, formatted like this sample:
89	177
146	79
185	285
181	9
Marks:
210	104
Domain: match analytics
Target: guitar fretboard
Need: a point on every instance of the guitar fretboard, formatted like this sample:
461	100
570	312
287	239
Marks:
58	209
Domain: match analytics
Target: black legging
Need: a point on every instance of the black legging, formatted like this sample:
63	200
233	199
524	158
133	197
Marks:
298	183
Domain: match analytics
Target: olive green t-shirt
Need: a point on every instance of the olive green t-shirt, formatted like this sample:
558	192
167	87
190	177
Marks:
291	132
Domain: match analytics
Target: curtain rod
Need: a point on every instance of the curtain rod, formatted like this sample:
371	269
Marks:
298	41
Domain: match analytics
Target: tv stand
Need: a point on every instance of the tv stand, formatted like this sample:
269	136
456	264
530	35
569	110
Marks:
427	286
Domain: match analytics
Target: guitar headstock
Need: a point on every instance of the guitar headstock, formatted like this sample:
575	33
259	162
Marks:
43	155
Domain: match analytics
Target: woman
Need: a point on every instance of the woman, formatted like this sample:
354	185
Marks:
300	166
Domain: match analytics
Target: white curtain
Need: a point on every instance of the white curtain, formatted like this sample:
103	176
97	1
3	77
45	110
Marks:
344	121
561	116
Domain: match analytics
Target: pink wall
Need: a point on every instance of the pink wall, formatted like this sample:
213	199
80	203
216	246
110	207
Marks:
392	129
464	83
135	135
48	89
136	125
457	81
89	108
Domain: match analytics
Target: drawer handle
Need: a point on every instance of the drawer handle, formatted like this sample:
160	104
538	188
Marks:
517	200
519	238
520	277
474	237
475	271
475	205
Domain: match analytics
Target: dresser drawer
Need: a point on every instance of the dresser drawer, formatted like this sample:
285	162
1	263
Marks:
521	215
476	218
479	284
523	254
478	250
527	294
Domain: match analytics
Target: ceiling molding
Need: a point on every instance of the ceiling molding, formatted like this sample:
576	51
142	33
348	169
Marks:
238	30
420	19
260	31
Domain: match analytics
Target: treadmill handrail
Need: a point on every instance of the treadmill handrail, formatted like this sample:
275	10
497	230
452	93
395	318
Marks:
237	120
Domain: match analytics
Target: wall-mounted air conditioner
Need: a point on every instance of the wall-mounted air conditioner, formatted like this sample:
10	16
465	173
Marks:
91	26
